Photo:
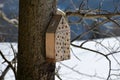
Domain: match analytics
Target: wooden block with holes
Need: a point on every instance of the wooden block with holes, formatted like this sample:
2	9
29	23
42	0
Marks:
58	39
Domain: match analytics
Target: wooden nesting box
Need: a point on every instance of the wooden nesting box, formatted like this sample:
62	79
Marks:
58	39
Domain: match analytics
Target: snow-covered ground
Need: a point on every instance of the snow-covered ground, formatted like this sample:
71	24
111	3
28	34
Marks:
84	64
87	65
8	52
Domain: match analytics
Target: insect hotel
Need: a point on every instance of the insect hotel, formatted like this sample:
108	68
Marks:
58	39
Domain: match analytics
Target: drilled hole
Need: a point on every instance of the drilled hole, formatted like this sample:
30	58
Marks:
56	55
62	21
64	43
67	39
68	56
66	26
66	33
57	43
68	48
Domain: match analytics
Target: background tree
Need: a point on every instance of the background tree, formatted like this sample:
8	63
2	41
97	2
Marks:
34	17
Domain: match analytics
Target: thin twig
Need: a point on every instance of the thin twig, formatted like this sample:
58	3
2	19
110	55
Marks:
109	61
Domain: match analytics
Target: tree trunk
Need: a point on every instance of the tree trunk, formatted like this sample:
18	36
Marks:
34	17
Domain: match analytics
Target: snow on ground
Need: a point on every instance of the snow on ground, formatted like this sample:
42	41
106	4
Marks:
88	64
8	52
83	65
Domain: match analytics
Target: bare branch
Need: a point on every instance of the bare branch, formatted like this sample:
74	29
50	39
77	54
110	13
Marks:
4	58
75	55
90	16
11	21
4	72
9	63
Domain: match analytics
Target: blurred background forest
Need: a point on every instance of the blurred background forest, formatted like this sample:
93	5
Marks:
86	28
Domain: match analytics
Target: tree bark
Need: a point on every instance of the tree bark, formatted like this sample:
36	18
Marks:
34	17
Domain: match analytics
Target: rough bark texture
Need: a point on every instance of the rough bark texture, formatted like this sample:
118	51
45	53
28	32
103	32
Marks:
34	17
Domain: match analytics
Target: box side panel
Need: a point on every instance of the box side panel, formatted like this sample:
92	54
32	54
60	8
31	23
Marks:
50	46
